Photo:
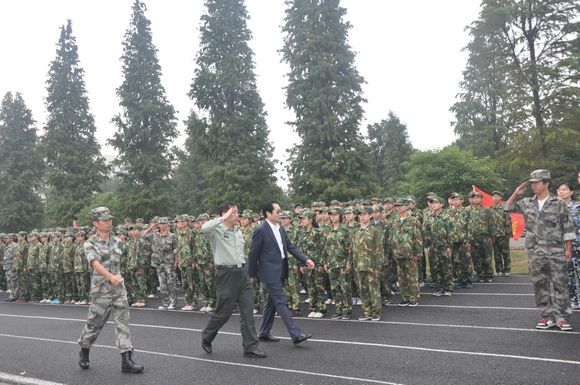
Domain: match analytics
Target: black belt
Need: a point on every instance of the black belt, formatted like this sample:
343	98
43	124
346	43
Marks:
238	266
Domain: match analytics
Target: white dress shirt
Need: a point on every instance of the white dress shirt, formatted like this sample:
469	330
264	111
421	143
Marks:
276	229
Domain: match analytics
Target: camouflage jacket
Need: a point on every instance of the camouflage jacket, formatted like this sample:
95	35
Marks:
184	252
20	262
109	254
247	233
479	223
33	257
502	222
546	230
55	257
9	256
2	250
80	260
310	242
338	248
164	249
367	249
405	238
437	231
68	257
139	255
44	255
293	234
457	224
391	218
126	246
574	207
201	250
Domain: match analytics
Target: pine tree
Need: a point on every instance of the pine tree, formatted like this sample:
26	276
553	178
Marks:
391	149
324	91
75	167
21	167
146	126
231	144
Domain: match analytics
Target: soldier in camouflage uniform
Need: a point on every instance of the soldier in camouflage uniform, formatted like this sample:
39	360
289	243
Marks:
81	268
68	268
436	237
502	232
339	264
407	245
461	259
479	232
566	193
350	215
32	266
368	257
55	269
422	261
202	254
164	256
21	265
292	288
389	269
310	243
3	286
549	237
43	267
10	270
138	265
185	262
108	293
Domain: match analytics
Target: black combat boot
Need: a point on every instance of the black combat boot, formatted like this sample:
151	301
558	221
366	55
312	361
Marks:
84	358
129	366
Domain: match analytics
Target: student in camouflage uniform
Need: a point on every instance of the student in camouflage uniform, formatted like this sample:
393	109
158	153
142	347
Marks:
247	227
10	270
461	259
350	216
407	245
292	288
549	237
479	232
32	266
3	285
81	268
310	243
502	232
185	262
108	293
43	267
164	255
422	261
21	265
436	236
389	269
68	259
202	254
138	265
55	270
367	259
566	193
339	264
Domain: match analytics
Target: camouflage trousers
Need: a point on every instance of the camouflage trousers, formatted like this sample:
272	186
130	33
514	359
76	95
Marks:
152	281
340	287
140	285
12	283
461	260
408	279
293	289
543	272
23	285
3	283
259	294
370	293
574	277
389	278
167	284
46	284
35	284
422	266
207	278
99	311
501	254
129	284
83	285
315	282
70	286
190	281
481	251
57	281
441	268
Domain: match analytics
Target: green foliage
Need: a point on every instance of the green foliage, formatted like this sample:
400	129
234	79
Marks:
106	199
228	155
390	148
324	91
446	171
21	167
74	165
146	126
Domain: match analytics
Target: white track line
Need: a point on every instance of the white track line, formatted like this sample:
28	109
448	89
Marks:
14	379
294	371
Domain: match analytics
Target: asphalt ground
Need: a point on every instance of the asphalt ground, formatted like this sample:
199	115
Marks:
484	335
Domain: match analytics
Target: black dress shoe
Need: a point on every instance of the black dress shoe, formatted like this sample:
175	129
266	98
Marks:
301	338
255	354
269	338
206	346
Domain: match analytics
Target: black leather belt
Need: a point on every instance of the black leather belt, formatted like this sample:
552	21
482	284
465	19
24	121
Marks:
238	266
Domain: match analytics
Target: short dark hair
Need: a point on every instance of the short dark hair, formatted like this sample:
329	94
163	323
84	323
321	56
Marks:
225	206
268	207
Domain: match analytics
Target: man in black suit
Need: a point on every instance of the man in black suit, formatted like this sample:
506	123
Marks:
269	255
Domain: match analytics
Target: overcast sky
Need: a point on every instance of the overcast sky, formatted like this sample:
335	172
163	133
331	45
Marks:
408	51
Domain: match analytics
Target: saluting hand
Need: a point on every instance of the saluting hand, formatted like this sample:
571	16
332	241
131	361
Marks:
522	188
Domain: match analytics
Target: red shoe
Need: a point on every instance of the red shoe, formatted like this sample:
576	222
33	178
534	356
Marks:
564	325
545	324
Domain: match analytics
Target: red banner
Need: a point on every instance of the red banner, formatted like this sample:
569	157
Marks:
518	221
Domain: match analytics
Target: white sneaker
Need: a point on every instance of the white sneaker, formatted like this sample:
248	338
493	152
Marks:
311	314
359	301
187	308
302	291
171	306
151	296
162	307
506	274
447	294
354	301
318	315
422	284
203	309
208	309
575	305
328	301
255	311
307	300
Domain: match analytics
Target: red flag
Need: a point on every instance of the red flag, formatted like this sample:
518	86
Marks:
518	221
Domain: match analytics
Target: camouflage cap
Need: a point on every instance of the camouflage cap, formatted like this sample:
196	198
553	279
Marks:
101	214
438	199
139	220
402	202
430	194
323	209
163	220
307	213
286	214
365	210
33	234
388	200
203	217
335	211
56	234
497	193
80	234
454	195
43	234
473	194
298	205
411	198
334	202
22	233
348	210
247	213
538	175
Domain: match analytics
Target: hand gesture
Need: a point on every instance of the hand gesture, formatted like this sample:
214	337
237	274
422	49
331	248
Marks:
522	188
310	264
116	280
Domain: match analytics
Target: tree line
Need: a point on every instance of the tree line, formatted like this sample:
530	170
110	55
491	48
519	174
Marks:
517	110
